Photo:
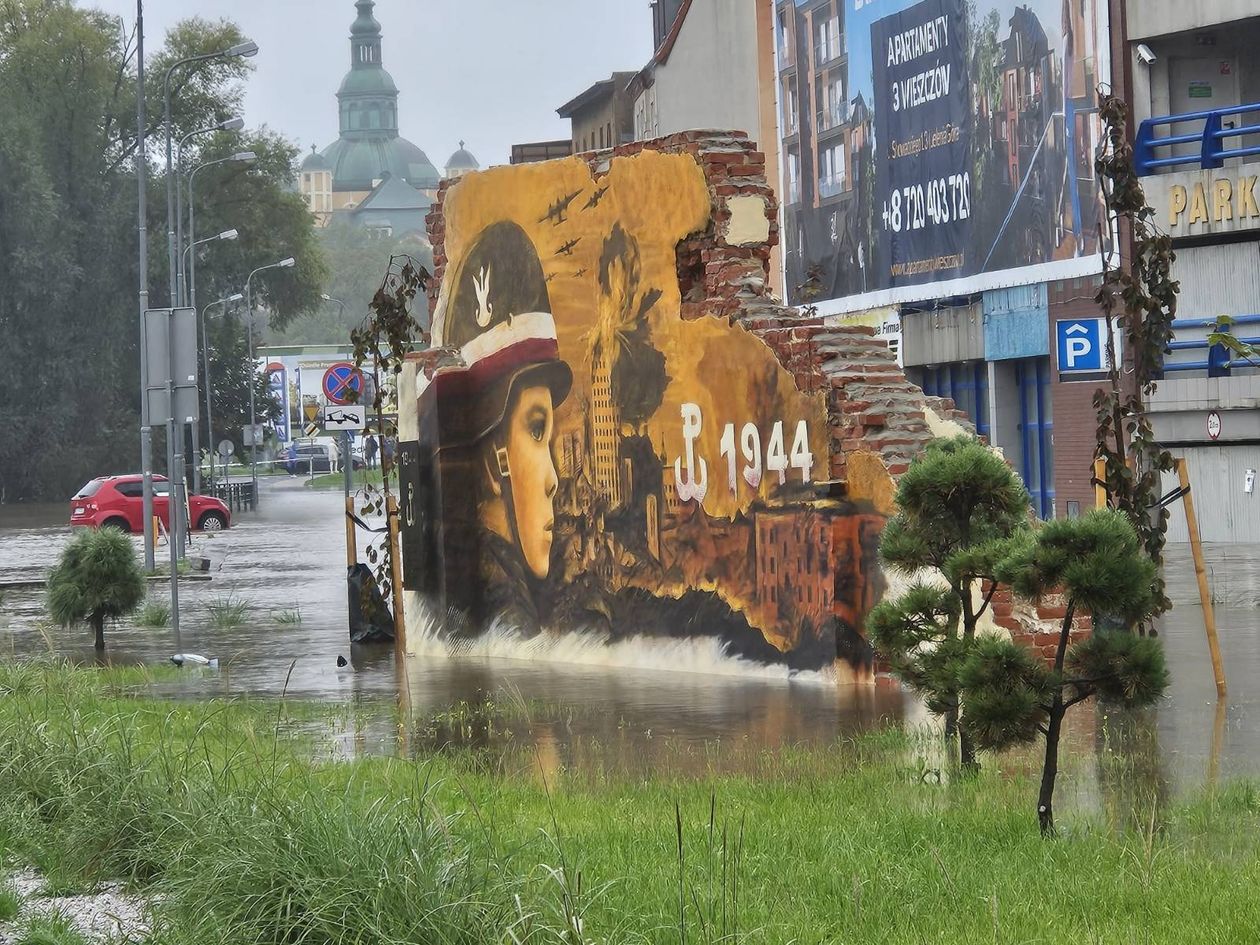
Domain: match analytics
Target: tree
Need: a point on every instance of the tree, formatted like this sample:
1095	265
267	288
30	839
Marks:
355	258
1142	297
1010	696
98	579
959	507
69	325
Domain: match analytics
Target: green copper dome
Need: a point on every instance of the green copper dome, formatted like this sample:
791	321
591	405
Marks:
369	146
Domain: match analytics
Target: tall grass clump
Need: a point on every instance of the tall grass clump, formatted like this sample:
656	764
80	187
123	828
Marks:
154	614
48	928
10	902
289	618
228	611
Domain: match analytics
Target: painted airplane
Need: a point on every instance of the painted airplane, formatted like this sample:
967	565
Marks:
567	248
556	212
595	198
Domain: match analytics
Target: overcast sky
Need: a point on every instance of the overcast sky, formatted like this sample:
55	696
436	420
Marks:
491	72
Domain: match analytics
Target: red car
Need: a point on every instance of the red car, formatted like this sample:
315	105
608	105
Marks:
117	502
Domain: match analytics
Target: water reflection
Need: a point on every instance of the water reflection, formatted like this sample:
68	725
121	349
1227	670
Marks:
597	718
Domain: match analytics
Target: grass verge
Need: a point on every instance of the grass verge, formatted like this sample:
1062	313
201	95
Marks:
337	480
154	614
219	810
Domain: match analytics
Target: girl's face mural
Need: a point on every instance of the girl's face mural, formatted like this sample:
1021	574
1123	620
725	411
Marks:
526	439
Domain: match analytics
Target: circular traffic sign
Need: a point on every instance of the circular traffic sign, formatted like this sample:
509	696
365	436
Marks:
1214	425
343	382
225	448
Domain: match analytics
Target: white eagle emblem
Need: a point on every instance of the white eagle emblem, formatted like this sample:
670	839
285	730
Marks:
481	285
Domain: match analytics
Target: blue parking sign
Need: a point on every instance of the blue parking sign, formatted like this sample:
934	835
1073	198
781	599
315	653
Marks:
1081	345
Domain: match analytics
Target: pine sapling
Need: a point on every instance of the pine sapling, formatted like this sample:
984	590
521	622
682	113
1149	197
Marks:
1010	696
959	507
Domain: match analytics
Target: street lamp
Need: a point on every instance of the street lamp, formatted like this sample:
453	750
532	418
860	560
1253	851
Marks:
174	451
245	50
196	427
253	425
240	157
205	366
231	124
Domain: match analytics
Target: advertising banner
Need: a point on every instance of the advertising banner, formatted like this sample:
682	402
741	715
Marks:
936	148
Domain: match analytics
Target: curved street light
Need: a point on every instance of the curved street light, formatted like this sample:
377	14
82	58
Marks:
174	446
240	157
205	366
231	124
288	263
245	50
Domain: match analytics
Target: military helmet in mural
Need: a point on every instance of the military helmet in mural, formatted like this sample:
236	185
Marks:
499	317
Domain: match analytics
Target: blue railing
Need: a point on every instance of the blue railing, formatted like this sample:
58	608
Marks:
1211	140
1218	363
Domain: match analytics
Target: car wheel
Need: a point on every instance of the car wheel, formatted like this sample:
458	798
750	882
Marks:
212	522
118	524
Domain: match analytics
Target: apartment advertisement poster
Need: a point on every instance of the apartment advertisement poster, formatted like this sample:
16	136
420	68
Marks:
938	147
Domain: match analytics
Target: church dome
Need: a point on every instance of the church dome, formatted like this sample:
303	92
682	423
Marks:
461	162
357	163
314	162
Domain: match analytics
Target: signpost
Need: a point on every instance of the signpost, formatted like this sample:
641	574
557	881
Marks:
343	383
347	417
1081	344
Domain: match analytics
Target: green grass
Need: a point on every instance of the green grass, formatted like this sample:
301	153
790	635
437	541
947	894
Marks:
288	618
227	611
226	812
337	480
154	614
48	929
10	903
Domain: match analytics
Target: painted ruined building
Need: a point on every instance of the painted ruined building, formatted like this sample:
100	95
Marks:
618	431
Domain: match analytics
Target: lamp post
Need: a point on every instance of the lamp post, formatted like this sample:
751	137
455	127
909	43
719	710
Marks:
175	443
253	425
240	157
205	366
243	50
196	427
142	170
231	124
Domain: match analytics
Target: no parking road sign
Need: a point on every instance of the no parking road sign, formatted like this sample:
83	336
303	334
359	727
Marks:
342	383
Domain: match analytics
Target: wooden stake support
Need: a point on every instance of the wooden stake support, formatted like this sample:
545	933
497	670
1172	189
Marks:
400	624
1100	490
1200	572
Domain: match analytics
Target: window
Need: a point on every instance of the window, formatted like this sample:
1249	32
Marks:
831	171
130	490
601	136
828	42
794	177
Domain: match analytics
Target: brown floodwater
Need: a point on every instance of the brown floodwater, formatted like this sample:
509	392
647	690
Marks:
643	709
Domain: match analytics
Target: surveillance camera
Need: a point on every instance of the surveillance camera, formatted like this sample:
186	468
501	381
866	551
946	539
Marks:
1145	54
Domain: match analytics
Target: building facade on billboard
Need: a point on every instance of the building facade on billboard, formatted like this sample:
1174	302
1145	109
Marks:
936	148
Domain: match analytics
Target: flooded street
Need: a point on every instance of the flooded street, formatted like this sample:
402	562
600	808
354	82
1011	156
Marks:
289	557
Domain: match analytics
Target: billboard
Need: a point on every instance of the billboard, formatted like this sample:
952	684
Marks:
937	147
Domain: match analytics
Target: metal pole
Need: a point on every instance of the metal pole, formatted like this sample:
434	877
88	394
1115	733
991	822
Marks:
205	366
179	208
142	168
253	426
175	281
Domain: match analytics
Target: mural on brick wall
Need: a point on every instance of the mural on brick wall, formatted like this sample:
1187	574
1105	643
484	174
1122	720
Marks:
588	459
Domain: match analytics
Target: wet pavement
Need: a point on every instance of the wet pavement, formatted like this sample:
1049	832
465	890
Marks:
289	556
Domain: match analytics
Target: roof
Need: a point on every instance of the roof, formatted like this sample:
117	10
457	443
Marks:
592	96
358	162
394	194
667	44
314	161
462	160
